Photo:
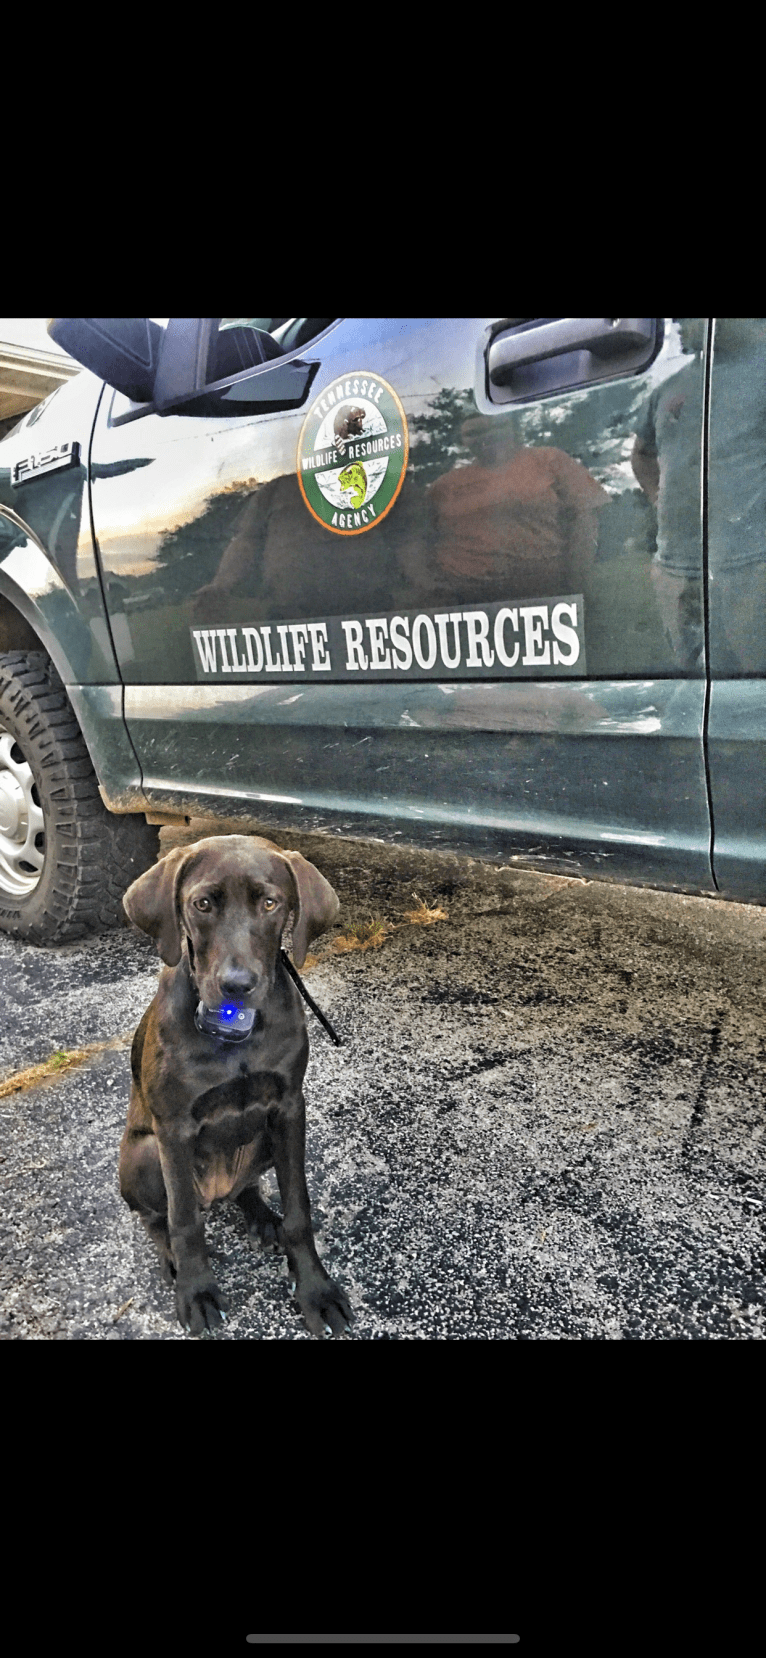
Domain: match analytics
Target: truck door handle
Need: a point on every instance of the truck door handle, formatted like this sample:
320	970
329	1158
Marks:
605	337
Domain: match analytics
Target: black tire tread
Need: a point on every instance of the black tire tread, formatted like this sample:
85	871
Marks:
97	853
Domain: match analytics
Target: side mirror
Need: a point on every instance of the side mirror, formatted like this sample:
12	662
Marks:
123	351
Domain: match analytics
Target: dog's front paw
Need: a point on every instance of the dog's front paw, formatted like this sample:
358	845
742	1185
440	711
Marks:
200	1306
325	1307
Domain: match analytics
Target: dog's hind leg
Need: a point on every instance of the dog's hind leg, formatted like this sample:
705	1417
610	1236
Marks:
264	1227
143	1189
157	1227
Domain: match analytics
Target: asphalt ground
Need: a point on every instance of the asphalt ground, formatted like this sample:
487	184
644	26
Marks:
546	1121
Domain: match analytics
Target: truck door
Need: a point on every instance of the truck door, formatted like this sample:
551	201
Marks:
438	578
737	605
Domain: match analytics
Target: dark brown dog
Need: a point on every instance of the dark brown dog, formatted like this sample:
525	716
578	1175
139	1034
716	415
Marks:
209	1114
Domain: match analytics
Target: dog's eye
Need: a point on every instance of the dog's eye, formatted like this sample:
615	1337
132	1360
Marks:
269	903
203	904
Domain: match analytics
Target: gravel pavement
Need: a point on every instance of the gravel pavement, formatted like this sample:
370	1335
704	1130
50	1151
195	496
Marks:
546	1120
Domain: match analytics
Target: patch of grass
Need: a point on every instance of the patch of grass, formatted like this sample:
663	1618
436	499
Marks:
363	935
370	934
62	1060
424	915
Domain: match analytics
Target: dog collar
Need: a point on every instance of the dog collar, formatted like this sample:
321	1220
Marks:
228	1023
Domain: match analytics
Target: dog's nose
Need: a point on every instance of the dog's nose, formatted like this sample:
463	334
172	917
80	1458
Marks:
237	982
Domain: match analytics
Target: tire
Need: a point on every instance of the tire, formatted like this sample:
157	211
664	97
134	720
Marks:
65	861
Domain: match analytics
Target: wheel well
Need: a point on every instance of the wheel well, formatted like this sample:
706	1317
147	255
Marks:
15	631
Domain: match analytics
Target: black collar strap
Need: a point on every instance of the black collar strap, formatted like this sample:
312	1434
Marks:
296	978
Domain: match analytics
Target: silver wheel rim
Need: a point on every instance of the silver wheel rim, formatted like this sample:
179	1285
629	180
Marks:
22	826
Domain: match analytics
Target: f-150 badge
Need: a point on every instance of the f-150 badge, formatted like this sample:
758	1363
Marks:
48	460
352	453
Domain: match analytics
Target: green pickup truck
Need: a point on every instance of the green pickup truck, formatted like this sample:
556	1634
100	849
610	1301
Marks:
493	585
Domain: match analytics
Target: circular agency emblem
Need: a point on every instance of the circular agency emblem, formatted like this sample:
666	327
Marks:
352	453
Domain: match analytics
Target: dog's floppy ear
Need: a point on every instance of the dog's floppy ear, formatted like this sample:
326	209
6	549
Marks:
150	903
318	905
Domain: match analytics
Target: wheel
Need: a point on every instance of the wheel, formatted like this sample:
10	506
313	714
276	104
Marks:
65	861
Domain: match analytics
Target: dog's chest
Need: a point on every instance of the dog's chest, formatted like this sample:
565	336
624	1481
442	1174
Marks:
232	1120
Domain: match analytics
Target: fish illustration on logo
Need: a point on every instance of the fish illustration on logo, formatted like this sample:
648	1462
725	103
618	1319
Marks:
353	479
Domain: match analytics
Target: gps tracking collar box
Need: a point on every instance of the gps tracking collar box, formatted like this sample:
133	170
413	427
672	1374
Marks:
228	1022
231	1023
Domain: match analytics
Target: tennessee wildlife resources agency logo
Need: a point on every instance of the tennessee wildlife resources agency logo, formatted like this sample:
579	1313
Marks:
352	453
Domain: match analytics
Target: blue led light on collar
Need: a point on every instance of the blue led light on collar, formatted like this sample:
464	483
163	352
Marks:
229	1022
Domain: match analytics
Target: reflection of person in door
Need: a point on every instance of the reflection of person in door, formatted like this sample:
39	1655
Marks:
517	522
666	462
514	523
737	497
278	562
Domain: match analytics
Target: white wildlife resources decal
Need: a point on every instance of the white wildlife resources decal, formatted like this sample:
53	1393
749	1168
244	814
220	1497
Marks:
518	639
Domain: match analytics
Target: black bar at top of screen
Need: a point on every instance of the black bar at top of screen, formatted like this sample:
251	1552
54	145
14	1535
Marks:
383	1640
